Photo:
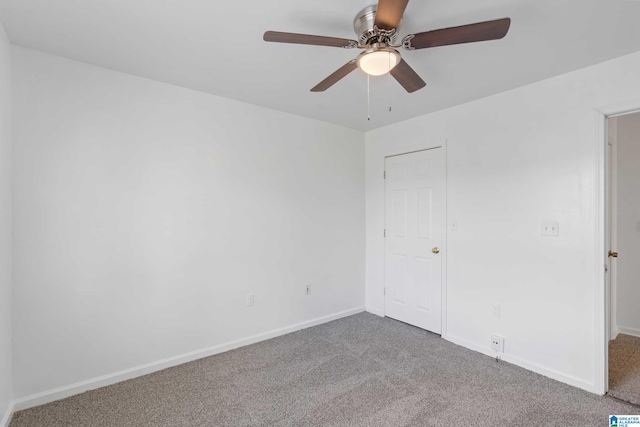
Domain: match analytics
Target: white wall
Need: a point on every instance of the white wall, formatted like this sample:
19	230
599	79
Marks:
5	224
628	273
516	159
145	213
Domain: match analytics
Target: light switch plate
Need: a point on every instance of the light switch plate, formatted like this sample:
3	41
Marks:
550	228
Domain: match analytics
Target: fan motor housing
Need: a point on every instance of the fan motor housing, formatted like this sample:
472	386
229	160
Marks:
366	31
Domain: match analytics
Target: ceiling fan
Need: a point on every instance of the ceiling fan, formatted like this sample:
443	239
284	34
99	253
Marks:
377	29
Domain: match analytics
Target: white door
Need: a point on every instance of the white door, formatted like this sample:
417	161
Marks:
414	229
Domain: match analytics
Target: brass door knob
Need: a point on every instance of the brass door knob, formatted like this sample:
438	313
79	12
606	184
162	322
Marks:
613	254
435	250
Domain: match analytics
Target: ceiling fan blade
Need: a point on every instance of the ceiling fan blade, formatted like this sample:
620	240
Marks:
408	78
389	13
481	31
336	76
279	37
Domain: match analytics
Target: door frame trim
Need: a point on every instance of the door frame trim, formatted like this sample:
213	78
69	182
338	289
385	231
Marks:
601	193
443	309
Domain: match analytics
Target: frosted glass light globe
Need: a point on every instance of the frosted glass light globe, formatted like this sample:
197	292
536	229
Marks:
378	62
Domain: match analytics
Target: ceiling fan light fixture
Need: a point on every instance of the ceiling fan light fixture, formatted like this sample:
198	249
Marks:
377	62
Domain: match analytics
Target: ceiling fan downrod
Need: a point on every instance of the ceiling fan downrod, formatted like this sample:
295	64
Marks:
368	32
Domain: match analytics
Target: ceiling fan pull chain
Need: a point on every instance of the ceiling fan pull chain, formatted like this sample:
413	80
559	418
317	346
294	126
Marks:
368	101
389	82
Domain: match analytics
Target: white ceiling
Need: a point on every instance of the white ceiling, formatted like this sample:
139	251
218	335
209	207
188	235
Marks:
217	47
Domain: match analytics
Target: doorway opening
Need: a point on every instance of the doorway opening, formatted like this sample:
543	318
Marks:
622	269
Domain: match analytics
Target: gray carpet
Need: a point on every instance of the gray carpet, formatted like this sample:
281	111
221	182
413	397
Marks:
359	371
624	368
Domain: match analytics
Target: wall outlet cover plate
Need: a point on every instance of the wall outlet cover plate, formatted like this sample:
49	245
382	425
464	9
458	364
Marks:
550	228
497	343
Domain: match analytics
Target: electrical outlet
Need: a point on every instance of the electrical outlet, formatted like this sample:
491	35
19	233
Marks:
251	300
550	228
497	343
495	310
307	290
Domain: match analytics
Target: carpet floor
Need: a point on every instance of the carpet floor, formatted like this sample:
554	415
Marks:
624	368
362	370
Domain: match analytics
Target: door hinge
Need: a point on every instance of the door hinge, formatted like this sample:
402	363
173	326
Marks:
384	175
384	291
384	233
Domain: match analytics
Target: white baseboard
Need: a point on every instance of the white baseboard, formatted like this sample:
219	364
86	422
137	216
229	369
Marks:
374	311
555	375
6	419
629	331
127	374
